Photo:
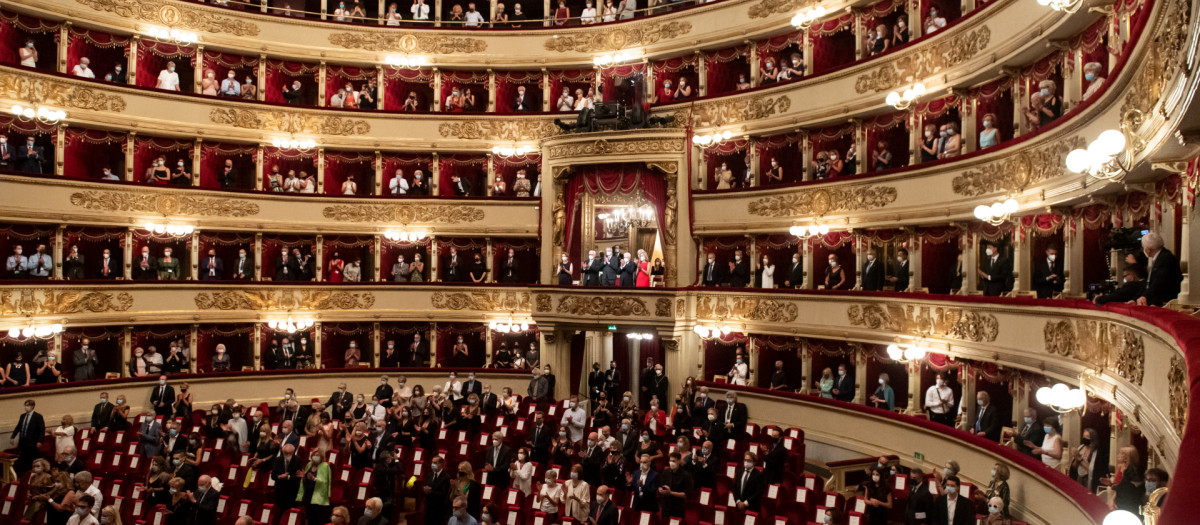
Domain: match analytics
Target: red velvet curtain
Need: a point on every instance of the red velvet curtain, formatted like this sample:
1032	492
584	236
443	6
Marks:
840	243
16	29
448	336
91	243
720	354
723	67
212	163
44	136
399	83
778	249
27	236
237	338
940	248
390	251
892	128
161	337
281	74
613	80
408	163
153	56
466	247
879	363
226	246
572	79
780	49
507	168
731	153
773	348
723	249
506	90
624	179
103	50
340	165
274	243
147	149
105	339
527	254
833	44
996	99
336	338
88	152
337	77
469	167
351	248
475	82
786	149
287	159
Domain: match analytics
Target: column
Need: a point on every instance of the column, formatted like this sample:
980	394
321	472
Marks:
860	375
196	154
702	72
262	71
1073	78
967	6
970	133
915	136
437	87
437	13
860	257
194	274
128	256
60	149
379	91
198	70
489	259
263	7
378	172
547	95
751	259
1020	401
257	349
64	41
126	349
807	261
194	345
860	34
436	169
376	336
548	13
491	107
752	366
556	352
433	259
259	159
57	253
131	63
1020	103
322	74
378	259
258	256
806	368
754	66
807	46
320	255
382	10
1022	263
969	242
1072	254
433	342
754	161
635	369
1188	287
914	389
130	147
321	170
488	347
806	155
317	343
914	20
491	176
861	147
701	169
966	402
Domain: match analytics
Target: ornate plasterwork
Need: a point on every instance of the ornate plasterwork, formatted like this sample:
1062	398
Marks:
822	201
55	93
174	16
671	344
924	61
262	300
936	321
514	130
482	301
747	309
542	302
404	213
680	308
61	302
662	307
409	43
166	204
1100	344
726	112
1178	393
1163	60
600	306
766	8
288	122
617	38
616	147
1018	170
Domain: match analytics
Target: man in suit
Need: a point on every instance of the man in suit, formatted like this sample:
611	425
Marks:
498	458
1048	274
592	456
73	264
609	269
711	275
775	460
85	361
173	441
305	267
920	501
703	464
163	398
488	402
286	268
205	499
899	277
243	267
1133	284
951	508
108	267
739	271
6	153
287	473
987	418
293	94
538	387
510	268
748	484
30	157
702	404
145	267
872	273
591	270
462	187
27	435
102	413
287	433
454	271
1164	277
151	436
795	275
626	439
228	176
629	271
733	415
437	493
617	263
401	270
523	104
843	385
643	484
1030	430
211	266
471	386
603	511
417	353
995	272
540	436
340	402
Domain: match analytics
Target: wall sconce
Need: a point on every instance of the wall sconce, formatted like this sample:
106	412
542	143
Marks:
815	229
174	230
402	235
174	36
997	213
293	143
805	19
902	100
39	113
406	61
1106	158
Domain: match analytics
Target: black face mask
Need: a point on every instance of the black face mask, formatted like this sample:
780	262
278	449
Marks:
1085	441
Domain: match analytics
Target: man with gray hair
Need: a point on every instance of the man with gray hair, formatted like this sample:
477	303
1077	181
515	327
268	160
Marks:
373	514
83	482
1093	74
1164	276
460	515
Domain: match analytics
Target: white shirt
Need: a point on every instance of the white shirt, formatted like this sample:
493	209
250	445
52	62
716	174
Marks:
99	504
738	374
566	103
168	80
935	396
951	504
574	420
64	437
394	18
377	413
550	497
398	186
933	24
88	519
453	389
588	15
1049	443
83	71
420	12
474	19
768	277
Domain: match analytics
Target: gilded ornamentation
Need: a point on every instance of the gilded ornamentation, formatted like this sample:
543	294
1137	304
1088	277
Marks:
1019	170
670	168
263	300
542	302
404	213
163	203
662	307
55	93
671	344
409	43
598	306
288	122
1162	61
482	301
1099	343
747	309
939	321
617	38
53	302
822	201
174	16
1178	393
515	130
680	308
924	61
616	147
766	8
549	336
726	112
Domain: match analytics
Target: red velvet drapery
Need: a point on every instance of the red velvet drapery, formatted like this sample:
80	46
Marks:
840	243
161	337
1093	46
390	252
28	236
153	57
507	168
181	248
274	243
778	250
732	154
212	163
336	77
91	243
226	246
723	68
996	99
836	138
105	339
623	179
772	348
103	50
350	248
473	335
336	339
526	253
305	163
16	29
722	249
407	164
507	83
399	83
466	248
720	354
940	248
467	82
572	79
281	74
237	338
833	43
786	150
472	168
646	349
615	82
892	129
343	165
222	63
147	149
88	152
781	49
673	69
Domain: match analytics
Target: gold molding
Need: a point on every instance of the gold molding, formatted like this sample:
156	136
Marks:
617	38
514	130
662	307
165	204
262	300
938	321
288	122
680	308
25	87
1178	393
404	213
766	8
1102	344
409	43
616	147
54	302
543	302
482	301
599	306
726	112
671	344
924	61
747	309
1018	170
174	16
1130	359
821	201
1162	61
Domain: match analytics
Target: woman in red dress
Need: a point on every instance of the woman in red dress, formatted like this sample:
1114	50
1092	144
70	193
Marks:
643	274
336	265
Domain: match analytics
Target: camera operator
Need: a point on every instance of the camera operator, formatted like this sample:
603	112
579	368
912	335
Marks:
1134	284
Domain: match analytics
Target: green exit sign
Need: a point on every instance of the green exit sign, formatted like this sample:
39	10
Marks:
918	456
612	328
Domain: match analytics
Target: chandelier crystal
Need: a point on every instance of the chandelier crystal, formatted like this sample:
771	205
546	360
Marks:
904	99
174	230
619	222
43	114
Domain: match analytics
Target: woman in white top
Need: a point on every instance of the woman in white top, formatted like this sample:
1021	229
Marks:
168	79
521	472
551	496
581	102
934	22
292	183
29	54
737	374
768	273
509	402
349	187
308	183
578	496
610	12
588	17
1051	449
393	16
64	435
341	14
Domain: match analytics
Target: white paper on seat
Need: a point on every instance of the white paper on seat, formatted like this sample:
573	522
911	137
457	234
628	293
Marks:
362	493
512	518
719	517
704	495
137	508
855	520
810	483
830	500
801	496
243	508
292	518
487	490
674	521
221	506
773	491
442	435
245	460
644	519
512	497
520	426
731	502
749	520
860	505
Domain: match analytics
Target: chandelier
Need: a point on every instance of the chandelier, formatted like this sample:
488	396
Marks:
291	325
612	59
620	221
1106	158
406	61
916	352
174	230
1065	6
39	331
39	113
804	19
712	330
293	143
639	336
512	326
713	139
1061	398
171	35
403	235
815	229
997	213
514	151
904	99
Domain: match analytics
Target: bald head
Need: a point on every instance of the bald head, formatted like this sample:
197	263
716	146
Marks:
244	520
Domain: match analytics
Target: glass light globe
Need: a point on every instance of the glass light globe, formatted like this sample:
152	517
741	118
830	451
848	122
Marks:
1110	142
56	328
909	94
725	329
1078	398
1043	2
998	209
524	327
26	332
1079	160
914	354
1011	205
795	231
726	135
16	109
813	230
893	98
1060	391
159	229
824	229
818	12
28	113
798	19
1121	517
894	352
272	324
1044	395
14	333
918	89
982	212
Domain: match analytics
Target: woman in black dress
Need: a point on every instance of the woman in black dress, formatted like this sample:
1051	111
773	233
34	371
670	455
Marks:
879	498
565	269
359	447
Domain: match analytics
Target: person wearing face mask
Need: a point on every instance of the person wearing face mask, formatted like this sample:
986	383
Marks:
538	387
939	401
900	272
884	397
990	136
929	144
643	484
748	485
739	373
996	513
739	270
712	274
315	488
1093	74
230	86
951	144
417	354
26	436
30	157
168	79
1050	450
987	418
574	419
843	385
878	496
1163	276
1029	431
872	273
934	21
287	472
835	275
733	416
995	271
293	94
919	501
951	508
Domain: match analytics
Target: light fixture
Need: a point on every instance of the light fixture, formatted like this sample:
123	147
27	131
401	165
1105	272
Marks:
512	326
291	325
814	229
806	18
615	59
620	221
639	336
904	99
406	61
1062	399
1121	517
293	143
404	235
997	213
916	352
713	139
39	113
174	36
174	230
1106	158
513	151
1065	6
31	330
712	330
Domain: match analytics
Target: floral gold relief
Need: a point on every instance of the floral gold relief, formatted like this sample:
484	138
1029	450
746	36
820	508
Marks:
616	147
404	213
284	300
1178	392
924	61
747	309
617	38
482	301
62	302
940	321
163	203
515	130
1100	344
601	306
288	122
766	8
823	201
1019	170
174	16
409	43
723	113
542	302
1162	61
662	307
51	92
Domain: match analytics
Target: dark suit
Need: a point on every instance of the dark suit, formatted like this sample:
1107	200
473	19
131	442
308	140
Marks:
243	269
964	512
418	188
593	462
845	387
471	386
900	272
164	394
30	430
1162	283
988	422
293	96
999	276
85	365
920	501
604	514
228	179
30	161
739	277
872	276
677	480
591	273
73	266
437	501
118	77
287	268
340	402
206	506
539	443
737	417
644	487
711	274
7	155
150	273
1042	283
499	459
748	489
1031	432
795	275
522	103
211	268
629	274
286	488
1127	292
774	462
102	415
509	269
462	188
614	262
609	272
108	268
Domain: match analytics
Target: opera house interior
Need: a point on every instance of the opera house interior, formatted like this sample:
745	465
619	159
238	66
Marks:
255	277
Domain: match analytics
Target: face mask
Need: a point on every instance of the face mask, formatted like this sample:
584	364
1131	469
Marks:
521	457
176	463
987	123
992	509
1151	486
1047	430
951	490
881	380
172	69
875	478
712	417
841	372
173	490
1045	92
1089	76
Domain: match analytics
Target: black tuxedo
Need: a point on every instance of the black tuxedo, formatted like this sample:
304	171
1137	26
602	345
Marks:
164	394
30	161
593	462
287	268
471	386
462	188
739	277
964	512
1162	283
228	179
293	96
206	506
454	271
499	459
437	501
72	267
748	488
1045	286
712	274
522	104
509	270
243	269
211	268
101	415
1032	432
900	272
999	276
845	387
988	422
286	488
150	273
737	417
796	275
591	272
872	276
7	156
113	266
919	502
629	274
609	270
30	430
340	402
774	462
539	442
604	514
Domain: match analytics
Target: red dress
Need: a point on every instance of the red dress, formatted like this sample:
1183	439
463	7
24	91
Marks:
335	270
643	275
